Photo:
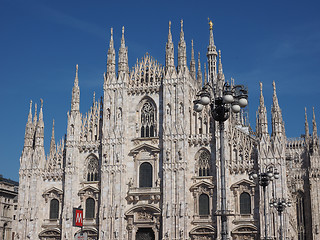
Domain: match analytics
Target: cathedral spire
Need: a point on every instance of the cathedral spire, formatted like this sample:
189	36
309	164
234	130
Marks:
123	57
212	56
39	129
220	70
182	55
262	122
199	75
35	117
52	142
192	63
276	115
306	125
28	136
221	78
75	101
314	125
315	140
205	73
111	57
169	52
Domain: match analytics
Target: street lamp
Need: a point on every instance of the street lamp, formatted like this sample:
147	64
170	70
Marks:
234	97
280	204
263	179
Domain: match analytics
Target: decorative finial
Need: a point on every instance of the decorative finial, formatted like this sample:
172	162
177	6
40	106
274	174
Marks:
169	25
30	105
111	30
274	86
122	30
41	102
181	22
210	24
305	112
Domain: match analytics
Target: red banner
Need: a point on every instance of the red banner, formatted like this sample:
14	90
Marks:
77	217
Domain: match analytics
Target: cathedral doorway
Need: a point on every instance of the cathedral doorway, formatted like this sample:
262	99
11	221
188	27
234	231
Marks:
145	234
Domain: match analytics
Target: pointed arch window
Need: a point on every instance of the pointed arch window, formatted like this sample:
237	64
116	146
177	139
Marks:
92	169
148	120
54	209
204	167
145	175
245	203
301	216
203	204
90	208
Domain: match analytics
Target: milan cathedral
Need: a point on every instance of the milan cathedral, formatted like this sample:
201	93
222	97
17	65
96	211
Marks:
142	164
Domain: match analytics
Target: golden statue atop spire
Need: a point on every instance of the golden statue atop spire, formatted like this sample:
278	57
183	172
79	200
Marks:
210	24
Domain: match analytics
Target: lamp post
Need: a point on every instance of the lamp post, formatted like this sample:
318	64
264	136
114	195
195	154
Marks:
234	97
280	204
263	179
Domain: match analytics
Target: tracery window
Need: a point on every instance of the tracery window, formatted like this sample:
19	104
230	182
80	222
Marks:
301	217
245	203
204	163
148	120
203	204
54	209
145	175
92	169
90	206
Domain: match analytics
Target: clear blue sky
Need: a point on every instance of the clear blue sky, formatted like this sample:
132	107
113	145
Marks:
42	41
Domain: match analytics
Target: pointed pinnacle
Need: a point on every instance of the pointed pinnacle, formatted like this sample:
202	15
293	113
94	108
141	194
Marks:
261	95
76	80
220	64
192	51
41	112
205	73
122	38
181	32
30	112
52	128
275	98
314	125
35	118
306	122
169	33
111	45
211	40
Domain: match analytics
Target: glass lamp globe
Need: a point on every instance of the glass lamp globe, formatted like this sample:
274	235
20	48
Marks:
235	108
205	100
228	98
198	106
243	102
270	174
276	174
255	176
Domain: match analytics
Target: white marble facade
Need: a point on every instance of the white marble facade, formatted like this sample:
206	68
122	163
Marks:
144	165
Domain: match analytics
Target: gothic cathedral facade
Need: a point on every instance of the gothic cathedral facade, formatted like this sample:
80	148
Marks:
142	164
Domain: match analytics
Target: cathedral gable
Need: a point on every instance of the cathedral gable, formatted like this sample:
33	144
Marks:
144	150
